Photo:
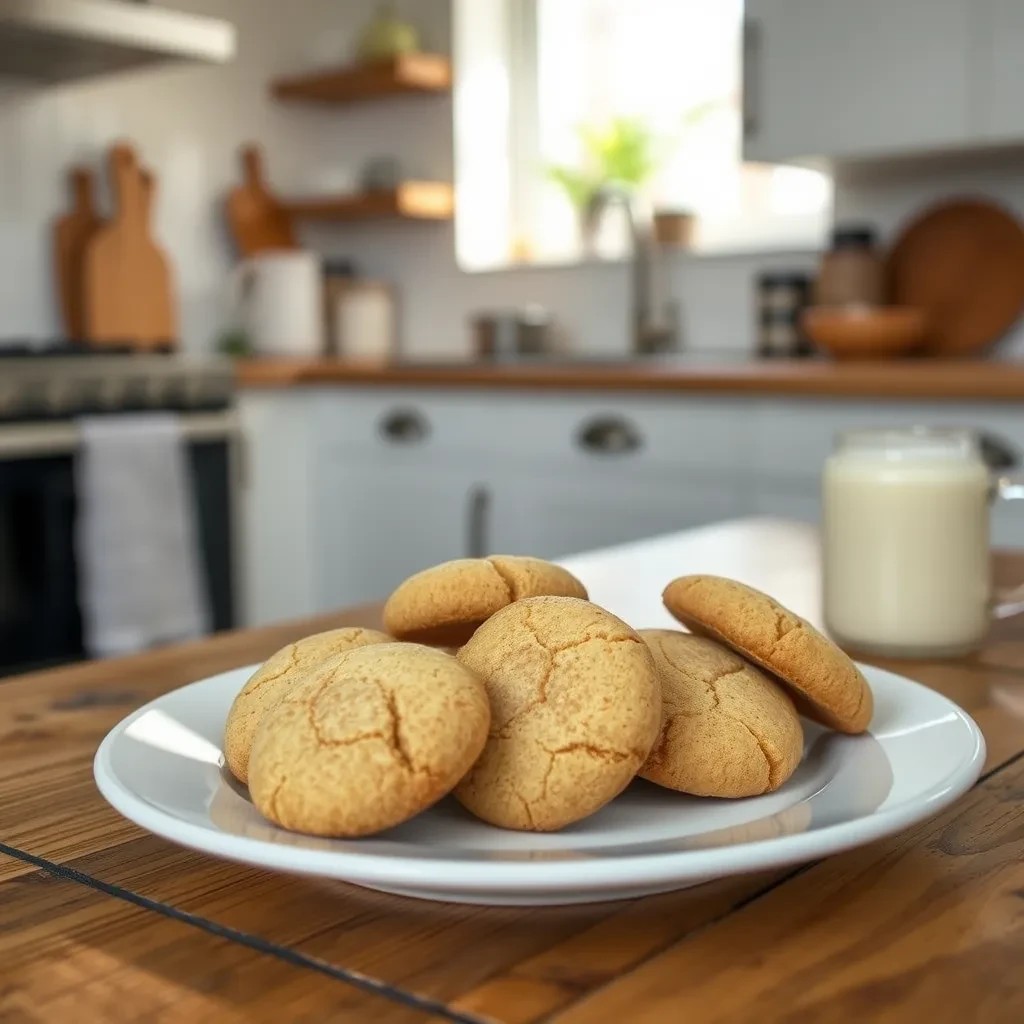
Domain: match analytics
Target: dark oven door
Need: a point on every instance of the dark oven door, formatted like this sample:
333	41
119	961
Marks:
40	622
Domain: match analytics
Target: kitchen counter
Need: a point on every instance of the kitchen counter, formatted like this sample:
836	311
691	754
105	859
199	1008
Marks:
101	921
966	380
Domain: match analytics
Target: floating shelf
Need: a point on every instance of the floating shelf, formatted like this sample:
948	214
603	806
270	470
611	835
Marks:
408	73
412	200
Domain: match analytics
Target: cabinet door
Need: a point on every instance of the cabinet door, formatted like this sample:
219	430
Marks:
379	520
998	78
276	540
552	514
843	78
798	500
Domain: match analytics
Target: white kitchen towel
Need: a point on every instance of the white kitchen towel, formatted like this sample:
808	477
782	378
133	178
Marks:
136	543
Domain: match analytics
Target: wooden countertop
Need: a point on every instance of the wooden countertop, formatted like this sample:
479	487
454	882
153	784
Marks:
965	380
100	921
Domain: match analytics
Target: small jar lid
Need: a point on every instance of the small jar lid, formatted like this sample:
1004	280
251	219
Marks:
853	236
783	279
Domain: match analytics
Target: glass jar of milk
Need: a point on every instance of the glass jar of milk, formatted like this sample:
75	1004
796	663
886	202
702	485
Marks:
906	542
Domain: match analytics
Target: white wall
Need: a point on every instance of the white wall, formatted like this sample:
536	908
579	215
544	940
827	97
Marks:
188	123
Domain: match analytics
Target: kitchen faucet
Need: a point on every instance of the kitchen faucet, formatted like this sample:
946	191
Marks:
652	318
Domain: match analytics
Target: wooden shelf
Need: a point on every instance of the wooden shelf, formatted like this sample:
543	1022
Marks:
412	200
924	379
408	73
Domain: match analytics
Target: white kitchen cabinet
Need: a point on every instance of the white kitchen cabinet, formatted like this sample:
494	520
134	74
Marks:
788	445
398	486
275	506
551	514
799	500
998	48
376	523
614	469
839	78
350	490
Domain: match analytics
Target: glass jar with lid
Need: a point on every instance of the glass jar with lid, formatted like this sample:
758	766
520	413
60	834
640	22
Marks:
851	272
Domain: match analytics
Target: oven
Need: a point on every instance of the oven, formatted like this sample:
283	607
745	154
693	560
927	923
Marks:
40	619
40	622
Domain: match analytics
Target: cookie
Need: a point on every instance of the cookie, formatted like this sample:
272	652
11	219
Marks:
575	710
368	740
269	683
825	683
445	604
728	730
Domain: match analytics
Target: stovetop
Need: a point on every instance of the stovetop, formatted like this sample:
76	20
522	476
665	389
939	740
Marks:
48	348
60	380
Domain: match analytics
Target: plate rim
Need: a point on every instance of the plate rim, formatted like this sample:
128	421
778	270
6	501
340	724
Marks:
548	876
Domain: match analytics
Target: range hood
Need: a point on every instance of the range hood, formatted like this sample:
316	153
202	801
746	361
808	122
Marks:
59	40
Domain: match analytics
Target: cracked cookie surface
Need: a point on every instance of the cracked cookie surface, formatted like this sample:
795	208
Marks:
272	680
728	730
368	740
575	710
445	604
823	681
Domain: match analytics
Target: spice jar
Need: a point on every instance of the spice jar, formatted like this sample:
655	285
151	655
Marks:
852	272
782	297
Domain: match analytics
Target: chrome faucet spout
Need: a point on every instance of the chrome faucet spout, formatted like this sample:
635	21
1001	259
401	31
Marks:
652	318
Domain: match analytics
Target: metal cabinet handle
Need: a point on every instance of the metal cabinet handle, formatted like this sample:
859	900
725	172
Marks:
751	75
476	522
997	452
404	426
609	435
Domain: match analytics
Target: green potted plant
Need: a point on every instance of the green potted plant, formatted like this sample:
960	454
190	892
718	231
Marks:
623	153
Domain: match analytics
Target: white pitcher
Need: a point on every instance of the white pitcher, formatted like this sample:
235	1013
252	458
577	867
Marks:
278	299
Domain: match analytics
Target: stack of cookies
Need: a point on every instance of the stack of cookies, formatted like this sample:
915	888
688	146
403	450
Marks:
498	681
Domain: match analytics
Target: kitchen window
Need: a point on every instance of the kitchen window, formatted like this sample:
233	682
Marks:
554	94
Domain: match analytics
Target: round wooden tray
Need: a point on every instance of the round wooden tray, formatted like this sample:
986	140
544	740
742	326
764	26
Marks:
962	263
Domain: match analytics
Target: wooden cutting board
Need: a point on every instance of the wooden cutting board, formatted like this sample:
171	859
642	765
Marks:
962	262
71	234
257	220
128	284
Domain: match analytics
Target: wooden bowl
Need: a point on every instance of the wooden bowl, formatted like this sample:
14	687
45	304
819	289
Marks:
865	332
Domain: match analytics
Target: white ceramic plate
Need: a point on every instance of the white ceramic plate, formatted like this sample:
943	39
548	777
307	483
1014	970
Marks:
162	768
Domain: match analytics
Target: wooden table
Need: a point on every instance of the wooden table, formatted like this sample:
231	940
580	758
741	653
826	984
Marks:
100	921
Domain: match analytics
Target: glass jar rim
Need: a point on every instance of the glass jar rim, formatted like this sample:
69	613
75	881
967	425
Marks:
910	442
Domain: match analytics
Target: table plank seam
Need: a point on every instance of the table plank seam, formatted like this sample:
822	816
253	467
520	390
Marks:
356	979
995	770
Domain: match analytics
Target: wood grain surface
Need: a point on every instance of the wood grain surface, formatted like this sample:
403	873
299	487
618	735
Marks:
128	286
70	952
907	379
409	200
401	75
71	233
961	262
102	920
257	220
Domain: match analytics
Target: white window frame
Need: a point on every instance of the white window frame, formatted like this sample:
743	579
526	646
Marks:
497	139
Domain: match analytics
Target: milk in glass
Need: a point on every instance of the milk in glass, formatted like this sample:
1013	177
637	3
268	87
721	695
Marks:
906	542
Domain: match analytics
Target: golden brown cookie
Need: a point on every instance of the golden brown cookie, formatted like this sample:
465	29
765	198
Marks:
445	604
728	731
272	680
826	684
368	740
575	710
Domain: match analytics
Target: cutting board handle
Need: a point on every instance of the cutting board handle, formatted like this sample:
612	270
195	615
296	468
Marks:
252	164
80	181
148	183
129	190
